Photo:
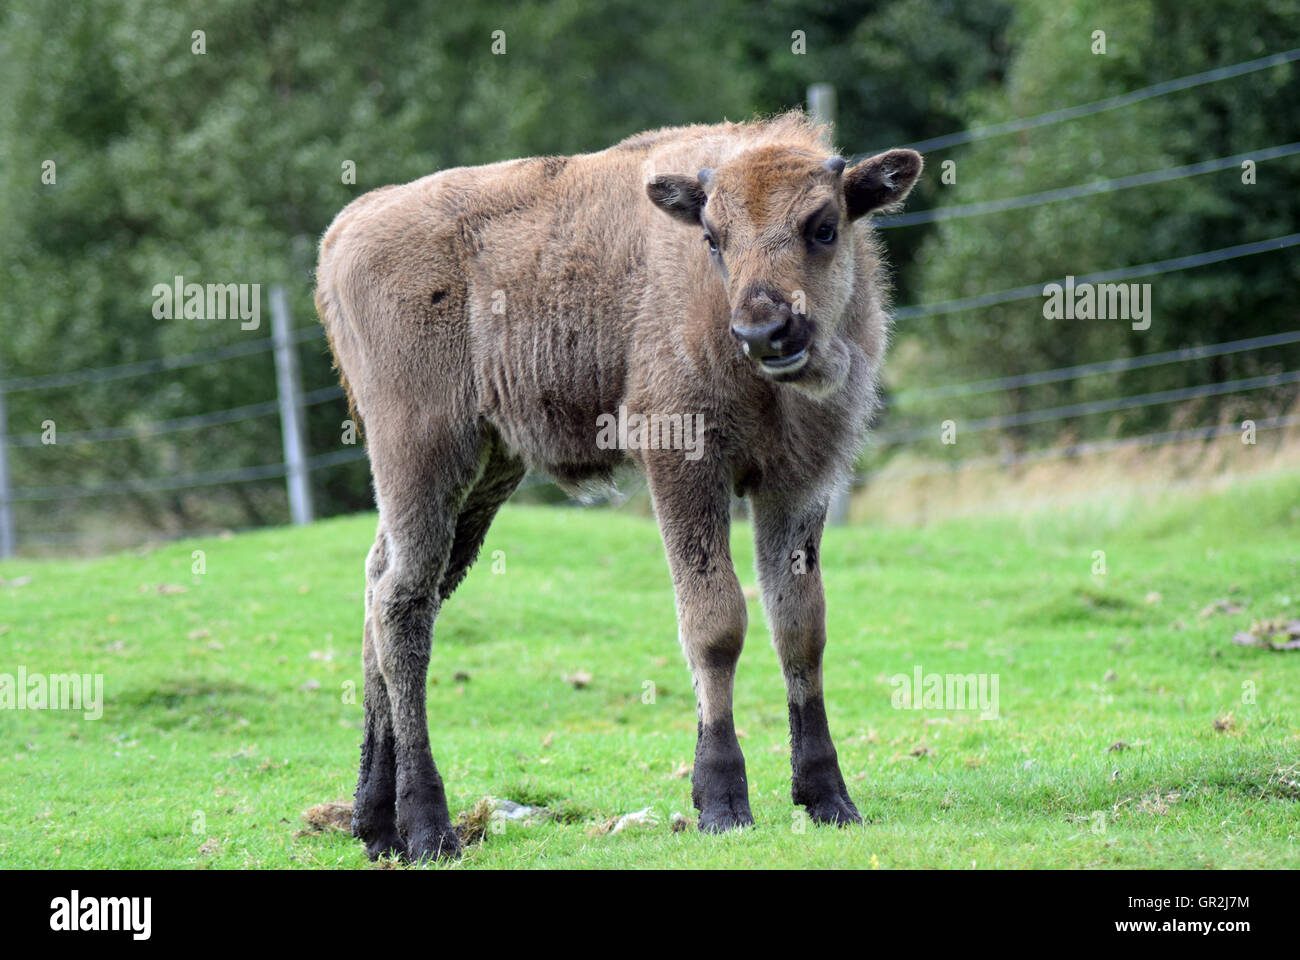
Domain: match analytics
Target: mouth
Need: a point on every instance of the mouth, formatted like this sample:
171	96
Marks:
782	367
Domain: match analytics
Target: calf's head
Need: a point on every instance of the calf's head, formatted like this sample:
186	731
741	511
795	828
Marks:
776	225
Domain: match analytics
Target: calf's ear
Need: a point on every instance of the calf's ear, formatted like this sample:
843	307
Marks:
880	181
679	195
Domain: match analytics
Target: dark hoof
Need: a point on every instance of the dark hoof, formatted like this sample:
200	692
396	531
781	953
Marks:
723	817
839	811
444	845
385	847
381	839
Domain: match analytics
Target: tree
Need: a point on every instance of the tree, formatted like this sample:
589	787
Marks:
1055	66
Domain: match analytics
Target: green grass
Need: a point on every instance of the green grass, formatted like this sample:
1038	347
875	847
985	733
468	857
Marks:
227	712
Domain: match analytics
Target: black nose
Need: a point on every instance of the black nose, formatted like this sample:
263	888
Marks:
763	333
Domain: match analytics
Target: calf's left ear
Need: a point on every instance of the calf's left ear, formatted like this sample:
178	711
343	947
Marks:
679	195
879	181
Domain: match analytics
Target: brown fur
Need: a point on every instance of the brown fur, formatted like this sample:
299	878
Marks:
485	319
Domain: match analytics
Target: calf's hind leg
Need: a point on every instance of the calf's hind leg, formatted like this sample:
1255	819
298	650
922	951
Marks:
499	479
420	489
374	812
788	550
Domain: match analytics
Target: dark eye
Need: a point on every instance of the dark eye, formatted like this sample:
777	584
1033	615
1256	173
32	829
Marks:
825	233
713	244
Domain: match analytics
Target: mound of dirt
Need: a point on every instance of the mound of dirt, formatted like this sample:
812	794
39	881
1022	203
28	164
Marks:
335	815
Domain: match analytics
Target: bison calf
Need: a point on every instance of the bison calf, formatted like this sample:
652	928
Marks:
490	319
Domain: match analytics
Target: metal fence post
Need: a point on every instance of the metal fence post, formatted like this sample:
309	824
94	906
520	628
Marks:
8	533
821	104
289	389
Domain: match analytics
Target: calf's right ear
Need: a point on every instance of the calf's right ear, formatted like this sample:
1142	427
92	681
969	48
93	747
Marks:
678	195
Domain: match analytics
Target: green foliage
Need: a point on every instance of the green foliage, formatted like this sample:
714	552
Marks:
1055	67
226	166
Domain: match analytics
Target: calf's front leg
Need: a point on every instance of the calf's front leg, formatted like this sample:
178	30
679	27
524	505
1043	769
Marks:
693	507
788	552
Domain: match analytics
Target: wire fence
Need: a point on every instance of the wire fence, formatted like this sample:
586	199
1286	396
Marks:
1106	366
973	134
1102	276
1089	447
959	210
1110	405
291	400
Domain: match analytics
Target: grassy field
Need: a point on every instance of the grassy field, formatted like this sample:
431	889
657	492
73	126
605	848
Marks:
1131	731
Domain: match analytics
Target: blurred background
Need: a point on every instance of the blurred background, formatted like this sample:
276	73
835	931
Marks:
1152	143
